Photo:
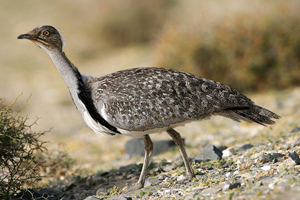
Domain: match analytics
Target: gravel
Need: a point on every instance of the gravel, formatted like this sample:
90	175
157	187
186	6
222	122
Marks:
219	178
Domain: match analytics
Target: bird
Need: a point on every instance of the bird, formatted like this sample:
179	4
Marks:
138	102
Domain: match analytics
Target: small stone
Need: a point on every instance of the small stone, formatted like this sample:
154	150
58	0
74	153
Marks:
71	186
222	147
198	177
276	155
167	168
228	174
77	196
102	192
266	167
180	178
244	163
245	147
213	190
151	181
271	186
167	191
231	186
289	161
295	157
104	174
295	129
229	152
45	192
189	196
178	164
263	158
91	198
209	152
126	198
127	167
297	142
227	164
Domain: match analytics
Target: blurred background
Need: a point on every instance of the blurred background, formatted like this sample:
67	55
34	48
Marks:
252	46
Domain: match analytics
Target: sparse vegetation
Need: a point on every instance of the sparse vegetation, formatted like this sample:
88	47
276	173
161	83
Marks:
245	54
115	191
19	146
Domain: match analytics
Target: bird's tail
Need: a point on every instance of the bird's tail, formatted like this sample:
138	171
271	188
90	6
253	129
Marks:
257	114
250	114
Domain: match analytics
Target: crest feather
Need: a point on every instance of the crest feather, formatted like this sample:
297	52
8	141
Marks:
63	39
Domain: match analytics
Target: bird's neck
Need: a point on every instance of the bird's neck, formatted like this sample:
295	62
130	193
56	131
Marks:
68	71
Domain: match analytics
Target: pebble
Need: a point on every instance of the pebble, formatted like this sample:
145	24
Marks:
297	142
231	186
295	129
264	158
180	178
289	161
245	147
228	164
127	167
46	192
222	147
295	157
229	152
102	192
277	155
91	198
152	181
71	186
244	163
126	198
209	152
266	167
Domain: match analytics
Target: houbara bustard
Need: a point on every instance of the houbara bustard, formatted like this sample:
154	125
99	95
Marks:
140	101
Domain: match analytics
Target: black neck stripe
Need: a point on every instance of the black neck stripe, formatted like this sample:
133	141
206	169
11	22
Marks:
86	98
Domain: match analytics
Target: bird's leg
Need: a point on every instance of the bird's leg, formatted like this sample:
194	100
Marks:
178	141
148	154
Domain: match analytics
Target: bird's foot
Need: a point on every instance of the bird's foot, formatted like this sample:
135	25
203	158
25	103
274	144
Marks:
134	187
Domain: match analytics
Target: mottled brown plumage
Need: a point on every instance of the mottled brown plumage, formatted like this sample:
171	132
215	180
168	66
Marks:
140	99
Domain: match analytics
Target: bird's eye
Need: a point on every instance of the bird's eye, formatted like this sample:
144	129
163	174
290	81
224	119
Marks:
46	33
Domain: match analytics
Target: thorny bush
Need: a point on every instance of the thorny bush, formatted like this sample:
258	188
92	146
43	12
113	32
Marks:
19	145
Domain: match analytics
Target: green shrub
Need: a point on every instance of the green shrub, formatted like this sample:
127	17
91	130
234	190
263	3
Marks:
18	147
246	49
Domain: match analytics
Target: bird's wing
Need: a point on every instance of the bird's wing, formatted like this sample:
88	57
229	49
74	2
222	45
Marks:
140	99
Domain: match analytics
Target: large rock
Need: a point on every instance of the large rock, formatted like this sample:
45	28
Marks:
209	152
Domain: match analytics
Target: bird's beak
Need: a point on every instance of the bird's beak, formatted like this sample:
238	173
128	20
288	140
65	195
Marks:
27	36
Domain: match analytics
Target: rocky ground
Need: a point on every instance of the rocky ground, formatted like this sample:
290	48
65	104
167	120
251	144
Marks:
248	171
231	161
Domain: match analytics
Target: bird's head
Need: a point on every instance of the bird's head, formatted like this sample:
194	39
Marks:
46	37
